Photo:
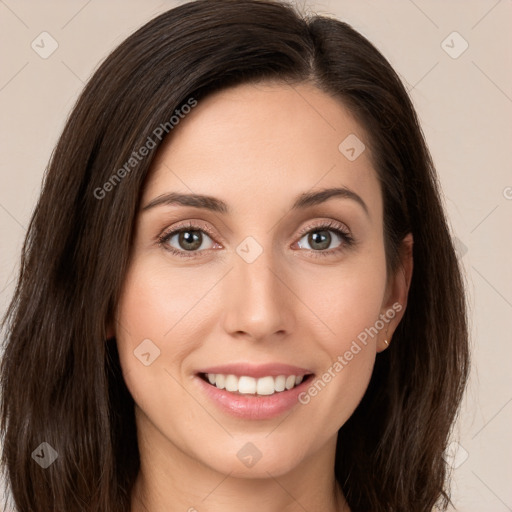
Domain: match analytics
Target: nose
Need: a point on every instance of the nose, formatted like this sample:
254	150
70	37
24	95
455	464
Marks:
258	299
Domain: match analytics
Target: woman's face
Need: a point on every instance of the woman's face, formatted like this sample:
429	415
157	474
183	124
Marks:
264	284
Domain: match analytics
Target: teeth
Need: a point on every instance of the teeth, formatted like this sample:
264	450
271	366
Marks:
280	383
290	382
250	386
219	381
266	386
247	385
231	383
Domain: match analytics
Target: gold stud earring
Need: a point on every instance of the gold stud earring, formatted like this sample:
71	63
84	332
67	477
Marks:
386	341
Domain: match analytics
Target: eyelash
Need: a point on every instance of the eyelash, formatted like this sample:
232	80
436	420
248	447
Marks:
347	239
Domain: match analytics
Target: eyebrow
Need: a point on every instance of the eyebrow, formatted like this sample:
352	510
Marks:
303	201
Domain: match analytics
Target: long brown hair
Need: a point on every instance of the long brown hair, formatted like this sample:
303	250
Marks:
62	383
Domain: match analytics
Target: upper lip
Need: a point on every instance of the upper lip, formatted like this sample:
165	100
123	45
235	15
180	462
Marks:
252	370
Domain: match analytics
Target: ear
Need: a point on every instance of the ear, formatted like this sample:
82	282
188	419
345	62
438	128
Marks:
397	291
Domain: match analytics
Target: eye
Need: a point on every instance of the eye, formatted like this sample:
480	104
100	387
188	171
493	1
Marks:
186	239
319	238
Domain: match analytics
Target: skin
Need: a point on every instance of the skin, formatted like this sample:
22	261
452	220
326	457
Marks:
256	147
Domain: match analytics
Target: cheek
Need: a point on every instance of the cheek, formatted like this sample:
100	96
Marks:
157	302
147	312
160	319
351	314
348	299
354	310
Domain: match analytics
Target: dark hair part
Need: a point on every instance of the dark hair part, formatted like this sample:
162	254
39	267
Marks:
62	383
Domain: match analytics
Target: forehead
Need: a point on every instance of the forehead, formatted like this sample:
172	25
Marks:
261	140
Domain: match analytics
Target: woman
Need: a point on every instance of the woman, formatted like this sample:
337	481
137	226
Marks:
238	287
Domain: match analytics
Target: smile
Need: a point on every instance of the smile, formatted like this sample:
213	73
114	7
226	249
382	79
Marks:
253	392
246	385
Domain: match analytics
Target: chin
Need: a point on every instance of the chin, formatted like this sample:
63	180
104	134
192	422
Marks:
246	458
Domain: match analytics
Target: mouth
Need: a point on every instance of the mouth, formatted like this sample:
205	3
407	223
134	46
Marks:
253	392
257	387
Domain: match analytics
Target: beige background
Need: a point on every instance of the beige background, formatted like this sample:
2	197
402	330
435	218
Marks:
465	106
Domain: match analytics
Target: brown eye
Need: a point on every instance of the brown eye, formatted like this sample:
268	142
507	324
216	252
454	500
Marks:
190	240
186	239
318	239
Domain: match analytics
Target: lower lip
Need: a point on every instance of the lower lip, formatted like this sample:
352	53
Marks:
253	407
